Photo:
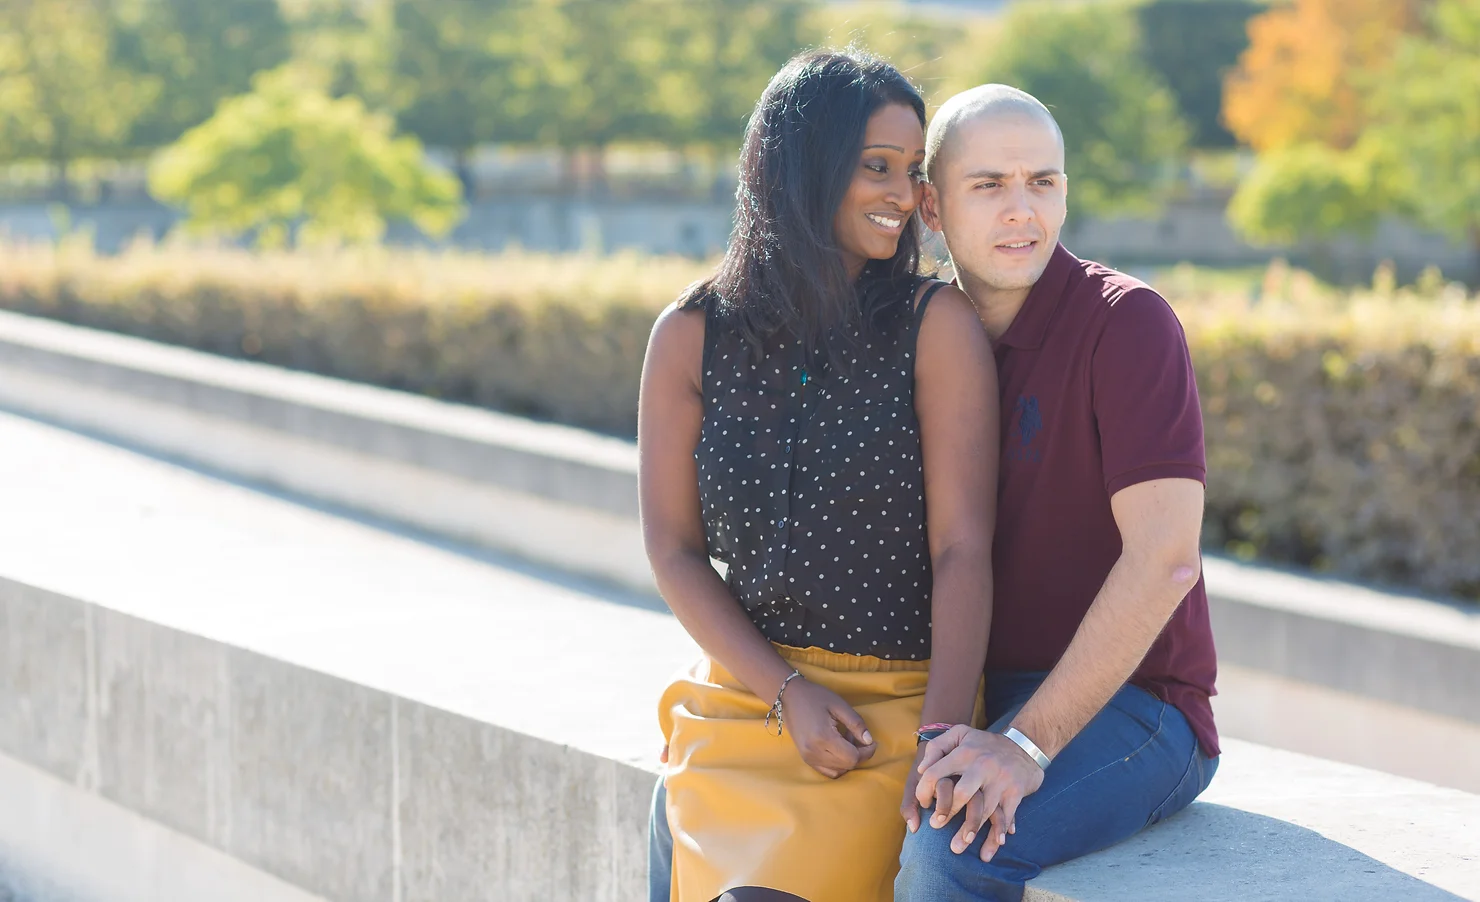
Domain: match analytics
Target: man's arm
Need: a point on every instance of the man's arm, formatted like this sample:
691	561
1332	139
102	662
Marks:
1160	522
1160	525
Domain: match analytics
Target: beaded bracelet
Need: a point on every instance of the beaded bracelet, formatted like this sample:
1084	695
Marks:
931	731
776	705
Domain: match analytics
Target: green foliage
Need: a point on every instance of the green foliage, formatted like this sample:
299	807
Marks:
1120	122
1192	45
714	60
345	46
63	93
594	89
1340	426
289	155
457	76
1426	117
1306	192
199	53
937	53
1417	157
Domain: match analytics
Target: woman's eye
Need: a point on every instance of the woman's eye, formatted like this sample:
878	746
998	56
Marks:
876	167
917	175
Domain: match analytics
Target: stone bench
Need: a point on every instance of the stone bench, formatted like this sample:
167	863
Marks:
1308	665
207	691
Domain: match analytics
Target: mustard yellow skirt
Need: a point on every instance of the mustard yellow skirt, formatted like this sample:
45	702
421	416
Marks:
745	810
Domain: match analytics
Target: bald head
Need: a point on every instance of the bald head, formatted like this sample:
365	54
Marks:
981	103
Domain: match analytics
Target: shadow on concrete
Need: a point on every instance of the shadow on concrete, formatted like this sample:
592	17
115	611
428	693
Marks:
599	589
1215	853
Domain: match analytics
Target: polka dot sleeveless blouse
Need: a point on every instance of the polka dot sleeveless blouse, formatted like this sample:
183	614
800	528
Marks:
811	486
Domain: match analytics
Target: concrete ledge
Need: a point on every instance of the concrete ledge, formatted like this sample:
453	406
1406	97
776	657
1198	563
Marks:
545	492
1368	663
352	714
51	826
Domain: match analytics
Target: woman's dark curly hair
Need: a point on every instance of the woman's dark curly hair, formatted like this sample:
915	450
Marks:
783	270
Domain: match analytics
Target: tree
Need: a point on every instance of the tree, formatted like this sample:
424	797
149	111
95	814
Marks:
598	61
62	92
458	76
1308	68
1119	120
1307	193
346	46
715	59
1193	45
1426	118
289	155
1416	156
198	53
929	50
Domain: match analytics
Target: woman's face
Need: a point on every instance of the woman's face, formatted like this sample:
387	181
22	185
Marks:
885	188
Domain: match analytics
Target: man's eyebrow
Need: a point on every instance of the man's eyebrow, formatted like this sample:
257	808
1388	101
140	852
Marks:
1002	176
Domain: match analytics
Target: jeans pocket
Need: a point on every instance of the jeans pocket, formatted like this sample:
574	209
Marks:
1176	800
1141	707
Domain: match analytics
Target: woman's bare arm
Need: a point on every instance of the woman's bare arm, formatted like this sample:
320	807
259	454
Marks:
670	414
956	401
957	405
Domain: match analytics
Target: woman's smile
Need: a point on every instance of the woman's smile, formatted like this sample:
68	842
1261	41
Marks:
889	223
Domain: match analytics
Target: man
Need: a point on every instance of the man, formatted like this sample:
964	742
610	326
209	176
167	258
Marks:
1101	659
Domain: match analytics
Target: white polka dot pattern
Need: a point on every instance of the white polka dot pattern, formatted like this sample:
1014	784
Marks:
811	487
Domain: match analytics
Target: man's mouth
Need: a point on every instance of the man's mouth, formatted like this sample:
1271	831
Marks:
887	223
1017	247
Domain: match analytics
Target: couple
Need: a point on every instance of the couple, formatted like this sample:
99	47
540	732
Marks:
963	634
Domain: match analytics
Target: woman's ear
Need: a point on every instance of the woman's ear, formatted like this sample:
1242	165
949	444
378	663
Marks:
930	208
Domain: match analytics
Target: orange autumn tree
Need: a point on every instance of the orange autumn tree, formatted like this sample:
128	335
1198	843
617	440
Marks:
1304	76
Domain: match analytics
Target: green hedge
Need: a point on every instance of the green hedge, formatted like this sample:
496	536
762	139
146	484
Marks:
1342	429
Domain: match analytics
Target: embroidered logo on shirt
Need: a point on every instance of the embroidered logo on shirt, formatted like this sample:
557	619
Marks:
1029	424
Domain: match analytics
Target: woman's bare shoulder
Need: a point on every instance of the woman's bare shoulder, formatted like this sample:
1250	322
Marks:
676	345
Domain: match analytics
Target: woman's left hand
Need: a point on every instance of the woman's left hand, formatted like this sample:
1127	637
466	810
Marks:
909	809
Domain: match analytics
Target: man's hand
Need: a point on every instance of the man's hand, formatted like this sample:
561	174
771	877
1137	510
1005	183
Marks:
985	773
831	736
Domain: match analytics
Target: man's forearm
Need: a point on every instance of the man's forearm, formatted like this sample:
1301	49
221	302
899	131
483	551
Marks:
1140	594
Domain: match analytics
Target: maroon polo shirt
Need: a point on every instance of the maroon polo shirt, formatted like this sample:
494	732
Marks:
1097	394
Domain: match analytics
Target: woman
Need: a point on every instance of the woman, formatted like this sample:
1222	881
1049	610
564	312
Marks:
823	421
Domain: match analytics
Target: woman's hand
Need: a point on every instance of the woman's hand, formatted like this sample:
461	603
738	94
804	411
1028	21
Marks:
831	736
909	809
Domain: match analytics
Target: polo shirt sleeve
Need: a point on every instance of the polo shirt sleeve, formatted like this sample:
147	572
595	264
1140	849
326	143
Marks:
1145	395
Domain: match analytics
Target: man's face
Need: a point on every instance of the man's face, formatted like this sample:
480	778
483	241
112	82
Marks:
1000	198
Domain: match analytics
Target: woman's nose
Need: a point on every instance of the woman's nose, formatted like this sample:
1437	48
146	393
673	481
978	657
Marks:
904	193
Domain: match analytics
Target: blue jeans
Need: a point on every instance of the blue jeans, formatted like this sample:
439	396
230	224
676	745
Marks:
1135	764
660	847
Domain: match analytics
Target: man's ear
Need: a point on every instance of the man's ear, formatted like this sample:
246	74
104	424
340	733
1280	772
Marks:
930	208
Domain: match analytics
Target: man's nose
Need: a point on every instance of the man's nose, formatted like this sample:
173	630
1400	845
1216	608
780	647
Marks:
1016	207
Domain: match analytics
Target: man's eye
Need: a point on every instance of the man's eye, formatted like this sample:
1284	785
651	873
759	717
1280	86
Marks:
987	185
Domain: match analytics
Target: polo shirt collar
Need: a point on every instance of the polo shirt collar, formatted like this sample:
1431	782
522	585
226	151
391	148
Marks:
1031	323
